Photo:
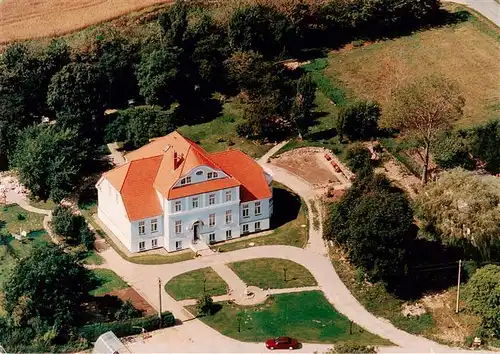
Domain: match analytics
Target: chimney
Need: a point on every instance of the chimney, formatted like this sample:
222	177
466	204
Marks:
175	160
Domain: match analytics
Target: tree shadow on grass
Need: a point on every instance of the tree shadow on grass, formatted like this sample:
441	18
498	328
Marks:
286	207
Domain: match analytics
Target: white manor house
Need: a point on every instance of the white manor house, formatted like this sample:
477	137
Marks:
171	193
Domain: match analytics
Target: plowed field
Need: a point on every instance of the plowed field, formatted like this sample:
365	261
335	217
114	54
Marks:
26	19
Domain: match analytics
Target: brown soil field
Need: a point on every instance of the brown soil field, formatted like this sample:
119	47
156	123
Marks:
139	302
466	53
28	19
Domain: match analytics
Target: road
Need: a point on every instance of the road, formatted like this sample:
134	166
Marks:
488	8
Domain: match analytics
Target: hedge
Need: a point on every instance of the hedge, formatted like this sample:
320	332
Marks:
126	328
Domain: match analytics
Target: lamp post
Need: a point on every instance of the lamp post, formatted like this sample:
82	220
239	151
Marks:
284	273
204	285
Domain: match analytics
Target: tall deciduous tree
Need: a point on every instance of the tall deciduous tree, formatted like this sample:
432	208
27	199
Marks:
50	285
358	120
303	104
463	206
423	109
50	160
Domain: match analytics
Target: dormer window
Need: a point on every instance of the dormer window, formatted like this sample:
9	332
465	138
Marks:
186	180
212	175
199	173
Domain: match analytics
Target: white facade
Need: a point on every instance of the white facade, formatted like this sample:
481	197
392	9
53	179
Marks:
212	216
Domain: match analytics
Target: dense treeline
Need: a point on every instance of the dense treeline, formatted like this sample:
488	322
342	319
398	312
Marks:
178	68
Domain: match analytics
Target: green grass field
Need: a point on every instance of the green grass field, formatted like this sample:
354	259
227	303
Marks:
191	286
306	316
466	53
220	134
49	204
14	219
268	273
108	280
286	223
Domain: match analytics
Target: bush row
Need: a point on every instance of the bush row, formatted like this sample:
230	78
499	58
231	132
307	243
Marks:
126	328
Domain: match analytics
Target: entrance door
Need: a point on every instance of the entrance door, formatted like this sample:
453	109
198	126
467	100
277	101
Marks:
196	228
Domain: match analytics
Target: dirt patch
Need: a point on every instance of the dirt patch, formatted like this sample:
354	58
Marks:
137	300
306	163
26	19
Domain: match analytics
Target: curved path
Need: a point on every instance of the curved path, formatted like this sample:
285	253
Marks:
194	336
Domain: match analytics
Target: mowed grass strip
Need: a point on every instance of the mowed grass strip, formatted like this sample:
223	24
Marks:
269	273
108	281
466	53
306	316
192	285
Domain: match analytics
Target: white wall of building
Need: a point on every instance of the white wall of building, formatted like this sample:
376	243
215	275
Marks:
148	235
111	212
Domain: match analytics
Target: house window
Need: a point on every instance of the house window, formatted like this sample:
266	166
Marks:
210	175
245	228
154	243
257	226
142	228
188	179
183	181
154	225
142	246
228	196
257	208
228	235
178	245
216	174
211	237
178	226
178	206
211	199
229	216
245	211
211	220
195	202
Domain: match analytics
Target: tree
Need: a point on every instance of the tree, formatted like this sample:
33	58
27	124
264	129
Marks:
205	305
462	206
484	142
72	227
127	311
303	105
358	120
50	161
423	109
50	285
374	221
158	75
483	297
77	94
259	28
358	157
451	149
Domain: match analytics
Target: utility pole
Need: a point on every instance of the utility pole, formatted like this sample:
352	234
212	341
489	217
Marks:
284	273
350	327
159	298
458	284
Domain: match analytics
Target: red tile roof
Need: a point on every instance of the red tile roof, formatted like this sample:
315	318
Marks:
246	170
151	168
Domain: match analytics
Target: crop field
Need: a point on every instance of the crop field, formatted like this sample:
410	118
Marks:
27	19
466	53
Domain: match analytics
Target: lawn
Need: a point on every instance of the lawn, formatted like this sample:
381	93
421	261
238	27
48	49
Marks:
306	316
19	249
220	133
49	204
191	286
466	53
93	258
269	273
108	281
14	219
290	213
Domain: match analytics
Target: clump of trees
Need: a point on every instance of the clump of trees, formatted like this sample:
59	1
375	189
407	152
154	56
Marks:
483	297
358	121
72	227
358	157
463	208
373	220
43	298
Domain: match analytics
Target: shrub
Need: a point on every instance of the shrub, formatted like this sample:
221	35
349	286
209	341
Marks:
351	348
484	142
87	237
452	150
205	305
21	217
358	157
358	120
127	311
126	328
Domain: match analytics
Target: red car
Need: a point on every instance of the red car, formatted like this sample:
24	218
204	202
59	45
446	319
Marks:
282	343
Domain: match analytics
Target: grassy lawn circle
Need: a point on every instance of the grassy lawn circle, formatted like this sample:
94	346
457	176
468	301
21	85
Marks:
190	285
306	316
108	282
268	273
